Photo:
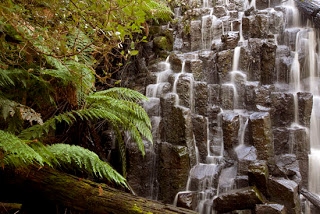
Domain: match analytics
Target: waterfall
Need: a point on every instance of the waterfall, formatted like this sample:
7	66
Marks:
314	157
236	99
306	42
236	58
208	22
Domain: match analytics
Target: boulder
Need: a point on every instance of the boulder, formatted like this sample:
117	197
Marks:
258	175
269	208
239	199
187	199
284	191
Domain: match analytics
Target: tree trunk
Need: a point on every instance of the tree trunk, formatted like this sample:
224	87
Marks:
311	10
79	194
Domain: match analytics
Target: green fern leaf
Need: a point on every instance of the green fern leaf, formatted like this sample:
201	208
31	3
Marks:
71	156
17	152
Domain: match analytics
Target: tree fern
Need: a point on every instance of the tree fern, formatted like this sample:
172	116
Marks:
113	105
57	49
126	114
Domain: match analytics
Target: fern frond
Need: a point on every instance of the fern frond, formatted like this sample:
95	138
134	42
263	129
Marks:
120	94
5	79
10	77
17	152
157	9
71	156
37	131
132	113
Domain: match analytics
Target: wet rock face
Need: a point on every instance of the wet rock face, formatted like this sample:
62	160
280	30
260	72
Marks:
203	101
305	102
200	98
209	73
184	87
293	142
140	170
204	175
283	108
195	35
270	209
245	198
262	137
230	40
173	170
199	124
288	166
224	63
173	128
268	54
230	126
187	200
285	192
258	175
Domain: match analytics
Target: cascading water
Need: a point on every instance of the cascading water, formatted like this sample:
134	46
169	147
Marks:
314	157
306	42
235	101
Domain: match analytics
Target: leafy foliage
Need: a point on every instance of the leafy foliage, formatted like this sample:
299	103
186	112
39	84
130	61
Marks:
67	156
50	52
19	153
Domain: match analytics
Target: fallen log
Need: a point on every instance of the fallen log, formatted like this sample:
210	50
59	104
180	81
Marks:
80	194
311	10
6	208
313	198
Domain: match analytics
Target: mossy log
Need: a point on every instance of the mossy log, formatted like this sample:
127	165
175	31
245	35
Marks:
313	198
6	208
81	195
311	10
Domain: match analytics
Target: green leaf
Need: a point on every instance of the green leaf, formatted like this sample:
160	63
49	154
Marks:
133	52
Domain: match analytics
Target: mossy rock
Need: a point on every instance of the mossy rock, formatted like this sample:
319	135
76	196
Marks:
162	43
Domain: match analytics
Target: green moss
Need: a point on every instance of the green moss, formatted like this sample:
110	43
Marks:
137	209
162	43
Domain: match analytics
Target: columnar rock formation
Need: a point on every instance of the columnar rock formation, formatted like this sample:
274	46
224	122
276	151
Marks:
231	108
